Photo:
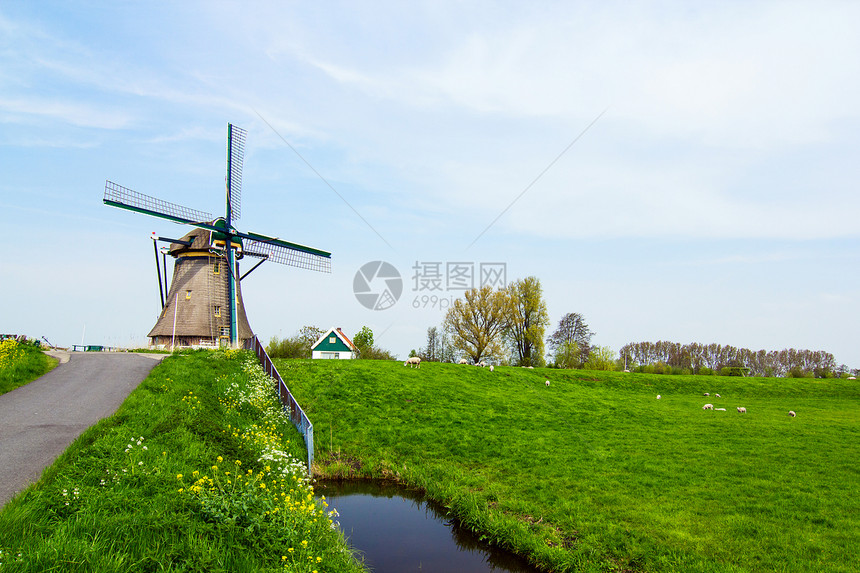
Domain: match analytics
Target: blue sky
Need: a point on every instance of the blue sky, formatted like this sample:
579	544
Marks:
714	199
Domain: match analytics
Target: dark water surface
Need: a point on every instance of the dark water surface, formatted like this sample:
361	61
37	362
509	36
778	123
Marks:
397	531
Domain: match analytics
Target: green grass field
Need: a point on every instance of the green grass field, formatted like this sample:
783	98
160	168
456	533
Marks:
593	473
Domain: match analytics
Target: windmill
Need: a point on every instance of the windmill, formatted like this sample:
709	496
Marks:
207	258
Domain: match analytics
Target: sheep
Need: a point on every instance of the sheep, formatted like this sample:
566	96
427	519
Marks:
717	395
491	368
719	409
791	413
658	396
463	361
742	410
547	382
481	364
413	360
707	394
708	407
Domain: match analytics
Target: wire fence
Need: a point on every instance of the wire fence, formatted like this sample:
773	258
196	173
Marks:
297	416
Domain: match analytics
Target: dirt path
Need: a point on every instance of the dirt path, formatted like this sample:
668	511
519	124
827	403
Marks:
39	421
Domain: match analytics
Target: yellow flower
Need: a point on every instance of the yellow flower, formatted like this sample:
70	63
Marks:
220	459
178	476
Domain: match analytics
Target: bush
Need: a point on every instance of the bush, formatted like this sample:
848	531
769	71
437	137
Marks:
293	347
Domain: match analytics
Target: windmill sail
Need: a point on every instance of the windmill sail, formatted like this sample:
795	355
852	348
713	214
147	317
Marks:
235	158
124	198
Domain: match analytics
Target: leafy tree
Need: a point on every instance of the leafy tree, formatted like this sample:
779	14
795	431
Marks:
601	358
572	329
363	340
566	355
296	346
477	322
310	334
432	352
527	321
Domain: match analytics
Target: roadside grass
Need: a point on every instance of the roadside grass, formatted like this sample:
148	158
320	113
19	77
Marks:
593	473
196	471
20	364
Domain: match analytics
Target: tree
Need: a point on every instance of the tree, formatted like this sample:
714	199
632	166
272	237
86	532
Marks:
601	358
364	340
572	329
297	346
566	355
477	321
432	352
527	321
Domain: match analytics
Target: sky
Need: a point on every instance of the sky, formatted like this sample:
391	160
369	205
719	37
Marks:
670	170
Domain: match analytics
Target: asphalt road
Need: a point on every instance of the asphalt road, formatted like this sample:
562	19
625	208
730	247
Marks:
39	421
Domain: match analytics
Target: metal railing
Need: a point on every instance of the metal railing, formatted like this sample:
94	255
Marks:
291	406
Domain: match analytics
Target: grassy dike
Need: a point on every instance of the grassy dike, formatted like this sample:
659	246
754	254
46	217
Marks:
197	471
21	364
593	473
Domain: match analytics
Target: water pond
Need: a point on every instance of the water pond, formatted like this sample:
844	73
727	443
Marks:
397	531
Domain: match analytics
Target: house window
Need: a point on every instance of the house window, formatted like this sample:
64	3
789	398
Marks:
216	267
331	340
188	295
217	310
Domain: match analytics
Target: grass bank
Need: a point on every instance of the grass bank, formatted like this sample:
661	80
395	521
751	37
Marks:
593	473
21	364
197	471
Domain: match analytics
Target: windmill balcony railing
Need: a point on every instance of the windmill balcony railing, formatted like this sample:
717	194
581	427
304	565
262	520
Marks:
291	407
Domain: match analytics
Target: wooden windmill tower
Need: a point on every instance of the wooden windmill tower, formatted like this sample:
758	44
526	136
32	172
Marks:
204	304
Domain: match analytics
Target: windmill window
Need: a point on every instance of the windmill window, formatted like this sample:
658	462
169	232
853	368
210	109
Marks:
217	310
216	267
188	295
225	332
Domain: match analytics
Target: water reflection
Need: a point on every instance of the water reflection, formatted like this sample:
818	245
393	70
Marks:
397	530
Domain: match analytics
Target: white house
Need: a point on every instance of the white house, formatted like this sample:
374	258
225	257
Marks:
334	344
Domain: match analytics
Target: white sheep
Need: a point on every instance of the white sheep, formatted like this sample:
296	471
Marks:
413	360
707	394
481	364
463	361
742	410
547	382
708	407
491	368
717	395
719	409
658	396
791	413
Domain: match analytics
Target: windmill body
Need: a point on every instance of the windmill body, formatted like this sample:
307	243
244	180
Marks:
204	305
197	311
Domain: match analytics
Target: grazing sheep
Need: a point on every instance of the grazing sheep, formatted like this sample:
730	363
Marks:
413	361
481	364
463	361
547	382
708	407
707	394
717	395
658	396
791	413
491	368
742	410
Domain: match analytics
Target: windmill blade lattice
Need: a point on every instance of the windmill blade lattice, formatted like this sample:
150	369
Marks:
302	257
235	160
118	196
